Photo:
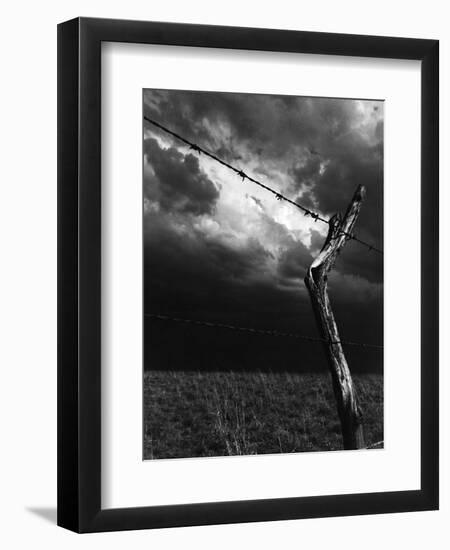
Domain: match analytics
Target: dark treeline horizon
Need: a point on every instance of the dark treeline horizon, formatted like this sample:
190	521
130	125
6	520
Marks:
175	346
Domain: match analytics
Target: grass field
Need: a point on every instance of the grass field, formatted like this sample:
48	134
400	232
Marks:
192	414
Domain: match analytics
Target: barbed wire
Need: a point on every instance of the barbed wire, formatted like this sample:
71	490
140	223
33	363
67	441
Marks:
279	196
265	332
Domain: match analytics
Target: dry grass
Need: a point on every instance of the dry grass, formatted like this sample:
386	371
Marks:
192	414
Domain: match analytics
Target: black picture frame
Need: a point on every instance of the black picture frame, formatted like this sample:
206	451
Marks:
79	274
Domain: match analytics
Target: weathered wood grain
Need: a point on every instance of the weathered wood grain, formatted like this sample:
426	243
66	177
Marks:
340	228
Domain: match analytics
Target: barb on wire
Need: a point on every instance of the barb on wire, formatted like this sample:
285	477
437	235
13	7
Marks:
195	148
244	176
265	332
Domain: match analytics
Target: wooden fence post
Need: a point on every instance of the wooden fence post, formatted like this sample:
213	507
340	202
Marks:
316	282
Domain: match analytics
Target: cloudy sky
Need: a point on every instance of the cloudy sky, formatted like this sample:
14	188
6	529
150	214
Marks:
220	249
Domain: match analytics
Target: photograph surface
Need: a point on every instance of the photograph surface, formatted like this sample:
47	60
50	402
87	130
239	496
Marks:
263	274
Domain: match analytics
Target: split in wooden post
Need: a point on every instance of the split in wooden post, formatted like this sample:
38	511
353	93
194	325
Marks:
316	282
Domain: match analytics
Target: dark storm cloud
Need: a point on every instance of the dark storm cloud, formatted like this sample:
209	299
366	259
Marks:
177	182
354	260
266	124
346	160
332	157
189	270
359	261
197	265
334	188
294	261
190	276
358	308
307	172
317	241
306	199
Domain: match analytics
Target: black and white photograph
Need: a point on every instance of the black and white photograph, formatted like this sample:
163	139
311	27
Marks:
263	274
225	273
